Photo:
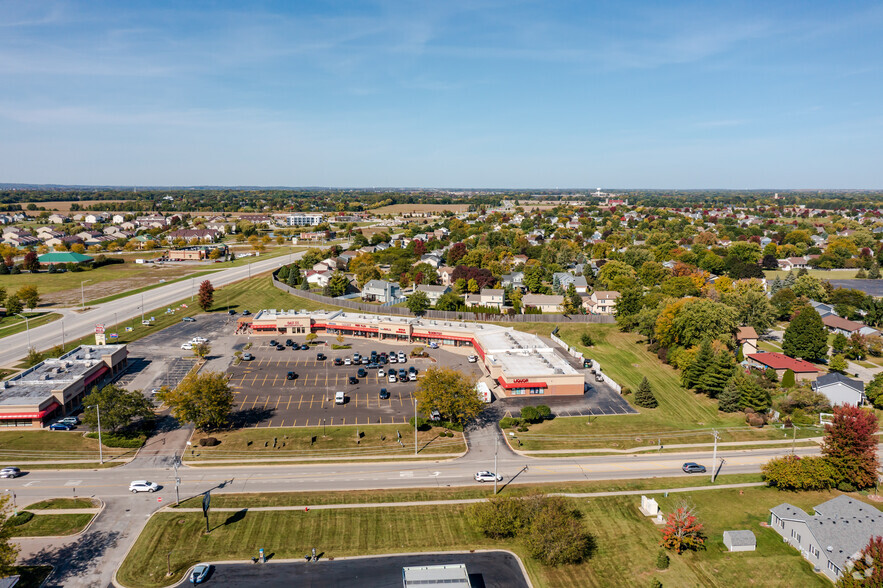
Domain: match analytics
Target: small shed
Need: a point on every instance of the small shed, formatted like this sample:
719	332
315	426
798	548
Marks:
440	576
740	540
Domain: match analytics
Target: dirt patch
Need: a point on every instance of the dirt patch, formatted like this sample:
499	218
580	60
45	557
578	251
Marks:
65	206
111	287
420	208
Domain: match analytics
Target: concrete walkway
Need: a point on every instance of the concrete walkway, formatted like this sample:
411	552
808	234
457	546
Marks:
64	511
720	445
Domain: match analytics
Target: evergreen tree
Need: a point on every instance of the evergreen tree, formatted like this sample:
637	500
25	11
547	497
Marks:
776	285
788	379
718	374
838	345
806	336
874	272
789	280
644	396
304	284
753	395
730	399
692	374
294	276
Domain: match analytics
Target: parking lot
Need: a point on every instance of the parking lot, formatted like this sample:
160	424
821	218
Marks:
598	400
266	397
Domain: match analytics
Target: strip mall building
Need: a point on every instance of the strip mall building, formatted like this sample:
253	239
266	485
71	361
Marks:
56	387
522	363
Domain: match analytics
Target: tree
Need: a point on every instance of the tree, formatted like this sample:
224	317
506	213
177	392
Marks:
572	300
418	302
644	395
838	364
806	336
294	276
838	344
472	286
874	390
449	301
8	549
850	446
201	350
691	376
13	304
857	347
865	571
29	296
450	392
338	284
792	472
874	272
456	253
788	379
118	407
730	400
783	302
311	337
556	535
753	395
753	308
205	400
206	295
340	338
683	531
717	375
30	262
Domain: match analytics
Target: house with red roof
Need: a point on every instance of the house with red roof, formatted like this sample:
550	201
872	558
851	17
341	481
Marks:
803	370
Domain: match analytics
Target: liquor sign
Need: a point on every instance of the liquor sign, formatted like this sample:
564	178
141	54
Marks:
99	329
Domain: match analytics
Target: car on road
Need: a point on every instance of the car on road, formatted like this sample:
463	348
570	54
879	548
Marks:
247	357
392	379
143	486
187	346
433	345
188	319
291	375
61	427
353	380
472	358
338	361
487	477
693	468
10	472
362	373
321	357
339	398
199	573
384	394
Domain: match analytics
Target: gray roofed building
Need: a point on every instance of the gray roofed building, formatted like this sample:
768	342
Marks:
833	536
433	292
381	291
740	540
839	389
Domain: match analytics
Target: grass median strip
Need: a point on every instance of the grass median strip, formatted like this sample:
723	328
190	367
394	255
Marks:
63	503
52	525
53	446
620	532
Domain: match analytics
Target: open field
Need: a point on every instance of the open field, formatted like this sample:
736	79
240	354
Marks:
29	445
395	209
275	443
52	525
621	535
65	205
834	274
10	325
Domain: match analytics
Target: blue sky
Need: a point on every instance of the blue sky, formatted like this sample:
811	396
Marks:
443	94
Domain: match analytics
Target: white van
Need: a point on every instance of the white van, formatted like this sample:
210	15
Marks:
339	398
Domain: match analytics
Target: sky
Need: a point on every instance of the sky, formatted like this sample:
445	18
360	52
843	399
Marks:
457	94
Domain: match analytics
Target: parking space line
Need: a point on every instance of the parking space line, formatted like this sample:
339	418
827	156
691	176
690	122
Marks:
300	401
287	406
277	402
282	424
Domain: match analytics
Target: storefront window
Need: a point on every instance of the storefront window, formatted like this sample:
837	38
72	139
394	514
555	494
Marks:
16	423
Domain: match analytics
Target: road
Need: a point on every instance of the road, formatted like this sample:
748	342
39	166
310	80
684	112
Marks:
78	325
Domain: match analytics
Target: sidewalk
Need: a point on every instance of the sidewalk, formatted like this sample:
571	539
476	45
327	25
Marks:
720	445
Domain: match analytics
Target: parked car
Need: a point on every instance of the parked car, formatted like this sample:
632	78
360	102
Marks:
188	319
412	370
365	361
362	373
402	357
693	468
199	573
289	342
304	347
280	347
384	394
198	340
381	373
187	346
273	342
338	361
231	312
353	380
70	420
339	398
488	477
247	357
412	376
472	358
291	375
373	365
357	357
321	357
434	415
143	486
433	345
392	378
246	312
403	375
10	472
347	361
61	427
599	378
393	359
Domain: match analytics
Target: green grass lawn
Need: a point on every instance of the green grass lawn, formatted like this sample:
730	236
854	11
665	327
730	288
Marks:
63	503
381	440
625	554
142	289
52	525
10	325
29	445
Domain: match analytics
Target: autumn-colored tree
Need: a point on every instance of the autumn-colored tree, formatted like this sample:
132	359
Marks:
29	296
204	399
450	392
850	446
206	295
30	262
866	571
8	549
683	531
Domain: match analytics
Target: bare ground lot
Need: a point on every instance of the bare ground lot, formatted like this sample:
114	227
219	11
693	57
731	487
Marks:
420	208
65	205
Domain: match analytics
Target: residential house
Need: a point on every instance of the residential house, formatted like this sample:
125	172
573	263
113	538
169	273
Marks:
320	279
118	218
514	280
747	338
803	370
492	297
603	302
822	308
793	263
96	217
445	275
549	303
838	324
840	390
433	259
58	219
192	235
381	291
433	293
581	284
831	538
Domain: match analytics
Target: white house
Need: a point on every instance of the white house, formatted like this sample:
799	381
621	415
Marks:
381	291
603	302
433	293
833	537
839	389
320	279
551	303
492	297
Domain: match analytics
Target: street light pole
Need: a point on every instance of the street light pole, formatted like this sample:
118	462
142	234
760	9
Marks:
714	453
100	452
27	328
191	289
415	426
62	334
496	443
14	507
142	309
83	293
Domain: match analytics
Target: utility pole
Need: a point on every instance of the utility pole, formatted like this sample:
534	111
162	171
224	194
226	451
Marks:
793	437
496	444
415	426
714	454
100	452
177	481
83	293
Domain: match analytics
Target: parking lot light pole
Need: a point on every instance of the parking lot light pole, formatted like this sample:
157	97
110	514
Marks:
14	507
496	443
83	293
415	425
100	452
27	328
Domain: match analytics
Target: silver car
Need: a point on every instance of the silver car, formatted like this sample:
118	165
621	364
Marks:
10	472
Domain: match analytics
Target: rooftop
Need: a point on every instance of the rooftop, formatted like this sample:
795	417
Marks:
780	361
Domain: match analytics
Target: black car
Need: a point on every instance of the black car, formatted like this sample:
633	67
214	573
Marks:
289	342
272	342
280	347
338	361
304	347
362	373
321	357
412	370
693	468
291	375
231	312
246	312
384	395
354	380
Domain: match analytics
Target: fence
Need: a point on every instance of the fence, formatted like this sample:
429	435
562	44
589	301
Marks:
447	315
573	352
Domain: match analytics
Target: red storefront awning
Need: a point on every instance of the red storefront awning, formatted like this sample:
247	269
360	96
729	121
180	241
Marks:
443	337
94	377
522	385
350	328
29	415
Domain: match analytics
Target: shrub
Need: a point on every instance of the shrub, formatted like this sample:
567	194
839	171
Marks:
655	583
119	441
770	375
509	422
625	391
788	379
19	519
544	411
792	472
422	423
336	346
556	534
209	442
845	487
755	420
662	560
530	414
586	340
523	429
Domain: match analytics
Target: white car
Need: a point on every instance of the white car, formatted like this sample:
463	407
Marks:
10	472
412	377
198	340
187	346
143	486
347	361
488	477
472	358
402	357
381	373
392	378
393	359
